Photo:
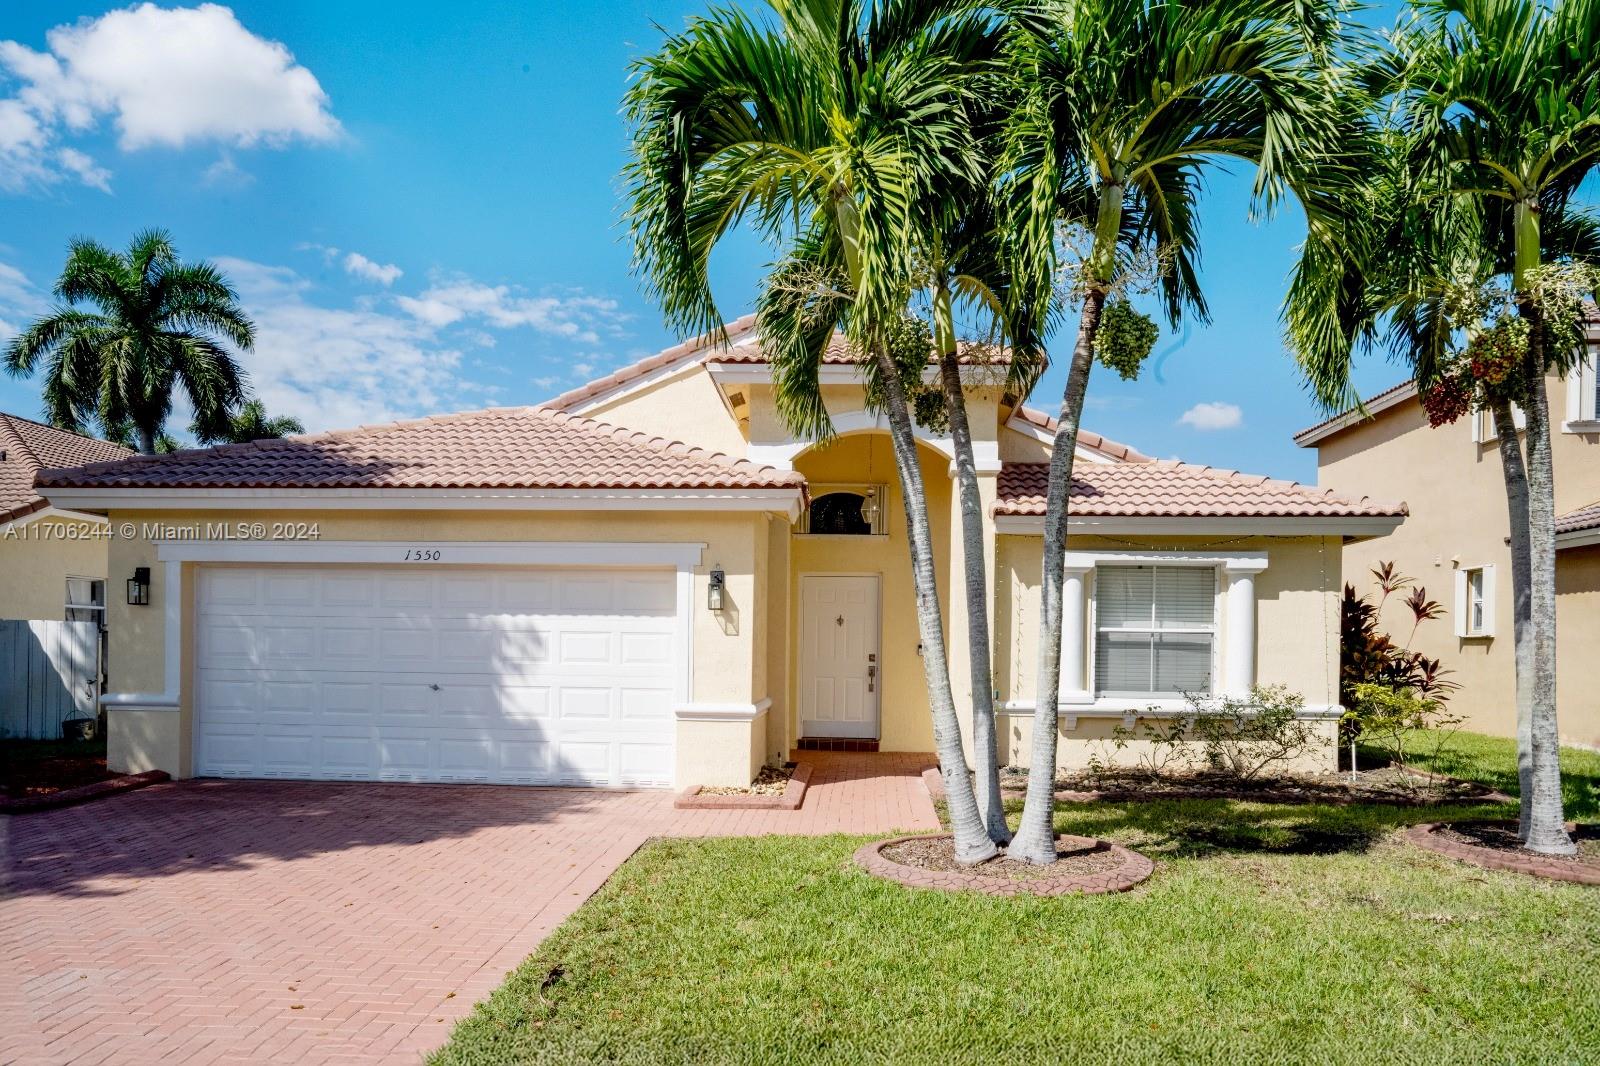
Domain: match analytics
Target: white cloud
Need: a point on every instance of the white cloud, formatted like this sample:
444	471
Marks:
583	371
1213	416
339	367
20	301
362	267
575	316
226	173
164	77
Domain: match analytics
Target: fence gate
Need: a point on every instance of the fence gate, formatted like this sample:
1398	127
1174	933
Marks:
49	672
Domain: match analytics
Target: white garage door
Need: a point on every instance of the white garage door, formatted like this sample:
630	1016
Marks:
522	676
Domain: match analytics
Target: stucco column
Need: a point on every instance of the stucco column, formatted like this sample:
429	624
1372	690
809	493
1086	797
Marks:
1239	651
1074	637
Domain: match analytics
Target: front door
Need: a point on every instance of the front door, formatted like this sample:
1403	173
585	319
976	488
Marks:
840	675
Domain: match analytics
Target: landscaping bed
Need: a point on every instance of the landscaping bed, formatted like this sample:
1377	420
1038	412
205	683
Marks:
781	788
1380	785
1494	844
37	768
1085	865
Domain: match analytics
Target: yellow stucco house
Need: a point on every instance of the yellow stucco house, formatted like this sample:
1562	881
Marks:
648	581
52	560
1455	541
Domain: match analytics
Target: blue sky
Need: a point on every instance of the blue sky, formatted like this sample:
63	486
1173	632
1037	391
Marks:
419	205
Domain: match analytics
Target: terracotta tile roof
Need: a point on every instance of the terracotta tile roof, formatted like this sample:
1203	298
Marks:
500	448
1167	489
1353	416
1086	439
1581	519
30	446
703	344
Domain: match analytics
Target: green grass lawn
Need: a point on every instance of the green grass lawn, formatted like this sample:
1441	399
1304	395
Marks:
1269	934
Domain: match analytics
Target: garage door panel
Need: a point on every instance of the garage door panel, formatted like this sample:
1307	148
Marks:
518	676
405	590
345	589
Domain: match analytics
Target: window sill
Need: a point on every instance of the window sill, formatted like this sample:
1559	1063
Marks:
1474	636
1581	425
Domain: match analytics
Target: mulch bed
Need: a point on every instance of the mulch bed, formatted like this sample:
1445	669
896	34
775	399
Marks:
1390	785
1494	845
68	797
1086	866
776	788
23	778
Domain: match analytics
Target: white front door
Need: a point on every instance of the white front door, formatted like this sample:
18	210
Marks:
538	676
840	672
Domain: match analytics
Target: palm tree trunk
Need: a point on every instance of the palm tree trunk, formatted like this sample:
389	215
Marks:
1035	841
972	843
1547	834
1516	477
986	762
147	440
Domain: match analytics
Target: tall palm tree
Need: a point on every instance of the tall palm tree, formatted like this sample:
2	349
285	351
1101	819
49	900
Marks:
1126	105
1499	104
157	324
251	422
821	126
970	265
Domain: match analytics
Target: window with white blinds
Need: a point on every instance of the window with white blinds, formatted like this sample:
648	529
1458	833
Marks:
1155	628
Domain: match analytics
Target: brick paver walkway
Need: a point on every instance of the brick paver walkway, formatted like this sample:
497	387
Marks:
254	921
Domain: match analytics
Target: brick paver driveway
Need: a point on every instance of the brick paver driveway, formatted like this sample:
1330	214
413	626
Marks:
251	921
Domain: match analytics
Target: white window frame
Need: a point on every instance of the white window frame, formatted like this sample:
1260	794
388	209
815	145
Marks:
97	608
1483	431
1464	601
1214	631
1583	394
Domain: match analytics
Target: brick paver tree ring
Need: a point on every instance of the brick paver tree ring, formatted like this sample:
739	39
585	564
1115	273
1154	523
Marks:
1121	870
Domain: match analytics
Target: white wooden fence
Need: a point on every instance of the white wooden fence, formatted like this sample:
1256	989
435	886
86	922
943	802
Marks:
49	671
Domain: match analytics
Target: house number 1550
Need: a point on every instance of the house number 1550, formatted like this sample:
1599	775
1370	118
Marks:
422	555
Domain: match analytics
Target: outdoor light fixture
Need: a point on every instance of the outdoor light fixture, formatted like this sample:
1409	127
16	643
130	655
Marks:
714	590
870	509
139	587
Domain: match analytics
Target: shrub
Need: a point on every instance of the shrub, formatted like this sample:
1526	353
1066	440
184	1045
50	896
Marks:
1244	735
1369	656
1234	735
1387	715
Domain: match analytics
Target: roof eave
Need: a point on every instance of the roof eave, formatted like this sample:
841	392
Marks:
784	499
1355	526
1369	410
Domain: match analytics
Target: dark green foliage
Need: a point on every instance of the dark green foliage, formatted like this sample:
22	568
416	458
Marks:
1125	338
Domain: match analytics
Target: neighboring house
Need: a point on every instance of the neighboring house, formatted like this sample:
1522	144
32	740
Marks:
649	581
52	560
1455	541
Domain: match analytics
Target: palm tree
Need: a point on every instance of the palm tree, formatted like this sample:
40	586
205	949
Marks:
1499	105
157	324
250	423
822	126
1125	106
1402	252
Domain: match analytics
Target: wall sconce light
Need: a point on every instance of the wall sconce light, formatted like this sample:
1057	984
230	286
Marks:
871	509
714	591
139	587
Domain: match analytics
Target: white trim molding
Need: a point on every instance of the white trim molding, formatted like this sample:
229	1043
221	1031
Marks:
1356	415
1578	538
1241	526
722	712
782	453
435	552
783	501
1047	438
60	514
1123	708
1237	606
